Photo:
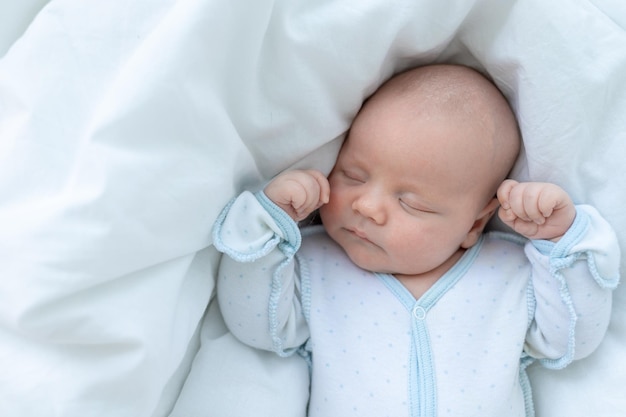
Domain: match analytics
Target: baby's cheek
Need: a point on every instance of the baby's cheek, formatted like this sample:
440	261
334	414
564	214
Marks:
402	253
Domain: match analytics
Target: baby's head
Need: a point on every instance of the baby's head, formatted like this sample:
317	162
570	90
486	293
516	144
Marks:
422	162
455	116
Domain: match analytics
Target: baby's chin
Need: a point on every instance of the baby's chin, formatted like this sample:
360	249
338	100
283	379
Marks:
369	263
366	262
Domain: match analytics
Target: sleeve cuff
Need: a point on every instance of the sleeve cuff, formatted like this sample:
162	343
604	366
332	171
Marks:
251	226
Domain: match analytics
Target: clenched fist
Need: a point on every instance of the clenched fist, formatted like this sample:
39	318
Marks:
299	192
536	210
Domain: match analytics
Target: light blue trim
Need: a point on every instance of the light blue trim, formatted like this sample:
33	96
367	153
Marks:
561	258
287	225
524	382
289	245
305	286
545	247
424	393
573	235
275	294
305	351
422	383
603	282
439	288
238	256
305	274
531	303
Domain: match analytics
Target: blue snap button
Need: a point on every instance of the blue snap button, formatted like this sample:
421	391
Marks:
419	312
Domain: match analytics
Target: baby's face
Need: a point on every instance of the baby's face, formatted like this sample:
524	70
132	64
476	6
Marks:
402	200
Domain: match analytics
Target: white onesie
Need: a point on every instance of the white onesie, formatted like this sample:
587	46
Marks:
374	350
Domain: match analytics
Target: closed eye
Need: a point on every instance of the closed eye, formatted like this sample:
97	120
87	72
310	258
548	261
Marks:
353	176
414	208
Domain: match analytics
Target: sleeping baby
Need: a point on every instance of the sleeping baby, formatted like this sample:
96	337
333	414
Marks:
400	302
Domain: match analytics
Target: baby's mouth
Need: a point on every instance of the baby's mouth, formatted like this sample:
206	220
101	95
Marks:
361	235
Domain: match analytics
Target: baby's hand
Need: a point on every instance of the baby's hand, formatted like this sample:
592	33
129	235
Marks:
299	192
536	210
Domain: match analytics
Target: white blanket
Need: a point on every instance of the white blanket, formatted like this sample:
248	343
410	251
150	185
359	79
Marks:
125	126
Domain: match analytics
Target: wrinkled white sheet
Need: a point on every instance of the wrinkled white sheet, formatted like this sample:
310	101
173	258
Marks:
126	125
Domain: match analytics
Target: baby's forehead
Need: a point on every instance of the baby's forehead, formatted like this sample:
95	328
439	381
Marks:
450	88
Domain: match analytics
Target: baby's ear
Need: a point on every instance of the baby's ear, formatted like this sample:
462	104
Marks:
480	223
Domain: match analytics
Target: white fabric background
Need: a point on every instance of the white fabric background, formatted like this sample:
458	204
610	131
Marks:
126	126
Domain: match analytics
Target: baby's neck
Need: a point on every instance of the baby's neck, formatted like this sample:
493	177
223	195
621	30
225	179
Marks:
420	283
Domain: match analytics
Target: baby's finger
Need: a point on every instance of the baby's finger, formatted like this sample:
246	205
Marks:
504	192
324	187
528	229
516	201
531	196
310	196
552	198
297	194
507	216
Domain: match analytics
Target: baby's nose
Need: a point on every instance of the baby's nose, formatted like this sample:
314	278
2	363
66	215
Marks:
370	206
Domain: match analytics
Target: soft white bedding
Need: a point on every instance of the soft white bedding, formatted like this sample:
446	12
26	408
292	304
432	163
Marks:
126	125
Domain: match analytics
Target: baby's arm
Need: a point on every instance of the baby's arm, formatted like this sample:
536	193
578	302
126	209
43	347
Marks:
258	280
299	192
575	265
536	210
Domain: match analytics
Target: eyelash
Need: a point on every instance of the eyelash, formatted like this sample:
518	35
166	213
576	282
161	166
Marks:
407	205
352	176
411	208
